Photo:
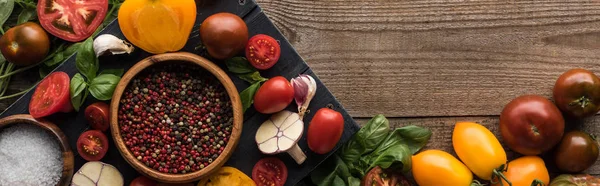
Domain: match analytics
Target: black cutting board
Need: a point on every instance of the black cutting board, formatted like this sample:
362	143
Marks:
247	154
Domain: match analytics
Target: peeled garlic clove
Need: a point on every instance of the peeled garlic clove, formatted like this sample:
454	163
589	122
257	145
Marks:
96	173
305	88
112	45
280	134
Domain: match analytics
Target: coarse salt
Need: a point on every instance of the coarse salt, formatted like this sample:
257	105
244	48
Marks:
29	156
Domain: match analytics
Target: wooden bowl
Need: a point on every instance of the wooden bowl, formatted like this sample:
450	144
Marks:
236	104
53	130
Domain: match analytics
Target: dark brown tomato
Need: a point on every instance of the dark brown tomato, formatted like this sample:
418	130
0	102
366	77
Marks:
577	93
263	51
379	177
269	172
224	35
531	124
25	44
576	152
92	145
97	116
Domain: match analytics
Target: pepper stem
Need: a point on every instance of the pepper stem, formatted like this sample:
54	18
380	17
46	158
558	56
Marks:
583	101
537	182
297	154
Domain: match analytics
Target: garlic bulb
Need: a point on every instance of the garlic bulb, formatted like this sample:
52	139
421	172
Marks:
96	173
110	44
280	134
305	88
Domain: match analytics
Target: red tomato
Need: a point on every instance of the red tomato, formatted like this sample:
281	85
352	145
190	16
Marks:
325	130
143	181
92	145
97	115
51	96
269	172
262	51
71	20
274	95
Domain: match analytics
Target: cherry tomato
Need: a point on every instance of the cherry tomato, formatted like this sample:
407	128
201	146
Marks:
224	35
435	167
478	148
97	115
263	51
525	170
269	171
379	177
25	44
531	124
577	93
325	130
143	181
576	152
71	20
51	96
92	145
274	95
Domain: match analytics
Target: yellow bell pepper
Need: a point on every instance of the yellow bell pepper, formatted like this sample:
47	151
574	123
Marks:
227	176
157	26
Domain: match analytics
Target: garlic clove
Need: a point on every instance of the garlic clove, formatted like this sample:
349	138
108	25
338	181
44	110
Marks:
305	88
110	44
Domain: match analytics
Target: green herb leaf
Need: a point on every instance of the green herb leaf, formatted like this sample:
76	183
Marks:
26	15
366	139
103	86
247	95
2	59
62	55
77	88
239	65
338	181
6	8
352	181
253	77
329	170
116	72
86	60
397	156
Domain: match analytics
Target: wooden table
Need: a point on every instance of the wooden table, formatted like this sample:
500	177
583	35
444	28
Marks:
432	63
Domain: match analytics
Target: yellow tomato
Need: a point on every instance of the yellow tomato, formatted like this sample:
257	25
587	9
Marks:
524	170
227	176
157	26
436	167
478	148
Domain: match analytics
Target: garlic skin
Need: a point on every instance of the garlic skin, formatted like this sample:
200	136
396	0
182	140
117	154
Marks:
305	88
110	44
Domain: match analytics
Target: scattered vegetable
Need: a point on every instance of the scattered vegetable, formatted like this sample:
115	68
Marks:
92	145
71	20
97	116
51	96
379	177
263	51
245	71
274	95
224	35
575	180
325	130
227	176
436	167
531	124
576	152
25	44
479	150
526	170
280	134
305	88
269	172
577	93
112	45
143	181
157	26
95	173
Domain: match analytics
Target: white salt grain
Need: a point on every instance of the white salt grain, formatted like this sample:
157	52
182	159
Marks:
29	156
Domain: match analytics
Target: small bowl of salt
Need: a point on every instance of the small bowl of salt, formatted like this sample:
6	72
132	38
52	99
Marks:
33	152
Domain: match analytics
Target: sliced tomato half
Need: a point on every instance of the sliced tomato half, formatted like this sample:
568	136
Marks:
51	96
71	20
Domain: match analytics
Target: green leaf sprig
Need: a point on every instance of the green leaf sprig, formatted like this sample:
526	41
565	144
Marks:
87	81
242	68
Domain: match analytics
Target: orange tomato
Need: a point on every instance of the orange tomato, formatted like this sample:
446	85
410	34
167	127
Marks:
524	170
478	148
436	167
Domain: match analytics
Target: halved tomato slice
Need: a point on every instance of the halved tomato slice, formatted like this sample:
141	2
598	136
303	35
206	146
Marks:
71	20
92	145
269	171
51	96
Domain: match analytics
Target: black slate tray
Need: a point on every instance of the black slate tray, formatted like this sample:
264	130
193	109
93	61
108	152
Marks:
247	154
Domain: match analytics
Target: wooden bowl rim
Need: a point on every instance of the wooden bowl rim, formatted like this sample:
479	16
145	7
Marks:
67	154
206	65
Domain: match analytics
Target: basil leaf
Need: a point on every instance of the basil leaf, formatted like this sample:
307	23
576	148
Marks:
396	157
366	139
116	72
26	15
327	172
352	181
239	65
338	181
6	8
414	137
77	88
62	55
103	86
86	60
253	77
247	95
73	48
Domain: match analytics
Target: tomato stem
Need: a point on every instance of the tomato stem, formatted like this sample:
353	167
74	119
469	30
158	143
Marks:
583	101
537	182
497	175
476	183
